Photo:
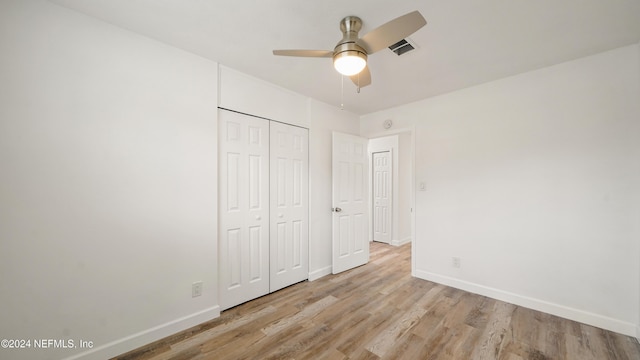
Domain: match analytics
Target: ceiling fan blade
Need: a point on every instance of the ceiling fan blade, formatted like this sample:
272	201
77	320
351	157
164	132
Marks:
392	32
363	78
304	53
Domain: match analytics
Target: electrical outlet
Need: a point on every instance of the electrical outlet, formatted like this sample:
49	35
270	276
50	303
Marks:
196	289
455	262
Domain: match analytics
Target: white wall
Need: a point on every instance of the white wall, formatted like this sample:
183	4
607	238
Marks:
533	182
323	120
405	174
249	95
108	183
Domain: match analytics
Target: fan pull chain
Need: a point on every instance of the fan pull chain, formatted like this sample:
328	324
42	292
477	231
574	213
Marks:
358	90
342	92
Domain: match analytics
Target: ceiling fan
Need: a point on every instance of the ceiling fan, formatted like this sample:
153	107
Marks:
350	54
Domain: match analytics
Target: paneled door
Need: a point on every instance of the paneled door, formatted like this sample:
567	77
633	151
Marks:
382	196
244	208
350	201
289	205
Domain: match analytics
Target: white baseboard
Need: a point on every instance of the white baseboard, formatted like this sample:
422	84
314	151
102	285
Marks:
585	317
401	242
317	274
145	337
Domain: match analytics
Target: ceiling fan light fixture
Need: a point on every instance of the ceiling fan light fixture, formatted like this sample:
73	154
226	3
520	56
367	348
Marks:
351	52
350	62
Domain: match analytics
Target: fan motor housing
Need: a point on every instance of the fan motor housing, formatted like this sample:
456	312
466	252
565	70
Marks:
350	23
348	49
347	46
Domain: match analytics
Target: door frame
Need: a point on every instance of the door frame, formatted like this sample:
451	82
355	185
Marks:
411	130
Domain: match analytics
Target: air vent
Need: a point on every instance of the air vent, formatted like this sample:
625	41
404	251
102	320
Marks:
402	47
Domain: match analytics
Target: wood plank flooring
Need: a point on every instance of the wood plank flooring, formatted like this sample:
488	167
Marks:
378	311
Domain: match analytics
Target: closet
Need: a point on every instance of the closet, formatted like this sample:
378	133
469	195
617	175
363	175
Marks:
263	206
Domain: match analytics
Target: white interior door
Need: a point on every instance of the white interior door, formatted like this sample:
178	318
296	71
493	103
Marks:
382	196
350	194
244	208
289	205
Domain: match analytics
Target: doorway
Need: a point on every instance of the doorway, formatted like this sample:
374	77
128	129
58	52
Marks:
391	214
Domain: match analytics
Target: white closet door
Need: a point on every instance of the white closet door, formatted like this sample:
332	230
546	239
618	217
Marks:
289	205
382	196
244	208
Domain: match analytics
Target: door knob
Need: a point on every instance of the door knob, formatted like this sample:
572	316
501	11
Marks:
280	215
337	209
258	217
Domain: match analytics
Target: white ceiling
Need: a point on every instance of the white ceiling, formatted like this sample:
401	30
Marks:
465	42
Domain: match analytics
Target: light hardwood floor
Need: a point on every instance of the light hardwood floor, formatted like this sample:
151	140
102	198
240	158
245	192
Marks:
378	311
